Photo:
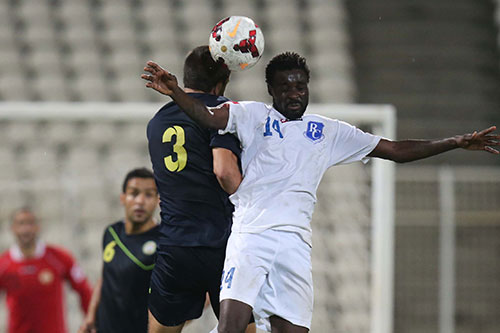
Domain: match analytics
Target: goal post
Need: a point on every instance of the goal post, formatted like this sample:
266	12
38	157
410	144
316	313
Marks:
381	120
353	225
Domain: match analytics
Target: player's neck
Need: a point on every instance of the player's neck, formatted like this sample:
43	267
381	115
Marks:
28	250
138	228
189	90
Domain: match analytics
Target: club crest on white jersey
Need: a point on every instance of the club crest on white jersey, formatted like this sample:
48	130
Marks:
314	131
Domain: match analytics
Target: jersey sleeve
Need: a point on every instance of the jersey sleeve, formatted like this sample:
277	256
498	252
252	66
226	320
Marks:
4	263
350	144
244	118
227	141
77	279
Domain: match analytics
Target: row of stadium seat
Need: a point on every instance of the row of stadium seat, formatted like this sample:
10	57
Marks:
95	50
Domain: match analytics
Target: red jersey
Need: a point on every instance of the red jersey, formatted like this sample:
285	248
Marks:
34	288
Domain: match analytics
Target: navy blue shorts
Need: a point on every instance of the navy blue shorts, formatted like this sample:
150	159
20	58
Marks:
180	280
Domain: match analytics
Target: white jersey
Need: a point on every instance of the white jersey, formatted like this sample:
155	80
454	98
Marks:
283	162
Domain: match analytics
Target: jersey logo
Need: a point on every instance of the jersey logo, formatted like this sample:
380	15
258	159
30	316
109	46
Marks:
127	252
233	33
149	248
45	276
314	131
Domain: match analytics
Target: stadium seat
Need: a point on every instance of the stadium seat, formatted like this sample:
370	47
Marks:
91	88
51	88
288	39
8	167
159	36
22	132
99	133
126	62
7	31
120	161
74	12
156	13
39	161
115	13
14	87
133	134
80	37
39	37
331	89
129	87
34	12
320	13
45	62
119	37
93	202
60	132
83	162
281	14
231	8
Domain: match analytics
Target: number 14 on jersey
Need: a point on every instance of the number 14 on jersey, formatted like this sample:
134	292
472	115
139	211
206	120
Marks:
275	127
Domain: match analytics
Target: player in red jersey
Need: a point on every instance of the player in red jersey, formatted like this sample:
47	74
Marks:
32	274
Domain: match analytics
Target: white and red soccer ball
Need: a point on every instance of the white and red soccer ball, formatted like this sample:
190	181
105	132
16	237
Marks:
238	41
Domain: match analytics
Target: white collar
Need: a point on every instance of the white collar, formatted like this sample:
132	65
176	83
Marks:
17	255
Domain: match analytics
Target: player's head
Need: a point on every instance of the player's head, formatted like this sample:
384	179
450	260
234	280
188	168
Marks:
202	73
287	78
139	196
25	227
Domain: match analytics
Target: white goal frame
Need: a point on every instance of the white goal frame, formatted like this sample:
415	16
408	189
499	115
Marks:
381	118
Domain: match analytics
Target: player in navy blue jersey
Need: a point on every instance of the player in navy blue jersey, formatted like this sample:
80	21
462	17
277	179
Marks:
119	301
195	169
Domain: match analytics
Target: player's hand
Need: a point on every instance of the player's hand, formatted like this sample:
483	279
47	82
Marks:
159	79
88	326
480	140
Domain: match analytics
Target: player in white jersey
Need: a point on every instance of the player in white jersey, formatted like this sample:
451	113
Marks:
285	154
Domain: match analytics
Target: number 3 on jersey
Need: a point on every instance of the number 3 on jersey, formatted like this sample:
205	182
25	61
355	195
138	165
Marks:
178	148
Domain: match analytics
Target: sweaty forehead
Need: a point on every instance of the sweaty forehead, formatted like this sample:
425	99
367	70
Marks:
292	76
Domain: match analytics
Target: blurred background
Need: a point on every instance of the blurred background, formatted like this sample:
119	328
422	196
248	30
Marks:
437	62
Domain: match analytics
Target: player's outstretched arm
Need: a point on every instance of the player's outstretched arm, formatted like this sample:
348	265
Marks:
411	150
166	83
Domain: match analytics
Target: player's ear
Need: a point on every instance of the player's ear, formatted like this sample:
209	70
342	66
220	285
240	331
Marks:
122	198
220	88
270	90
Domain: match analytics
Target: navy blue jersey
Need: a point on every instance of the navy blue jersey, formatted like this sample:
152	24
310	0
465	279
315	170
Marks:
195	210
127	264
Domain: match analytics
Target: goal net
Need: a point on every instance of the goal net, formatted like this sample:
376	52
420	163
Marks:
67	162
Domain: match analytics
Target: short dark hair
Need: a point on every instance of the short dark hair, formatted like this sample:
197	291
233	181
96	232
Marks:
136	173
284	62
201	72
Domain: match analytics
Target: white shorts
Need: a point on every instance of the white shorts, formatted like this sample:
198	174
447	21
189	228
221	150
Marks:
271	272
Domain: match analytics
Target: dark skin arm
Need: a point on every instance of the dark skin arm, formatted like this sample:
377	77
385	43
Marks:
412	150
166	83
398	151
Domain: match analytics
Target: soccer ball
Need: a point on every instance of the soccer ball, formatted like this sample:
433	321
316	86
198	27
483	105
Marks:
238	41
